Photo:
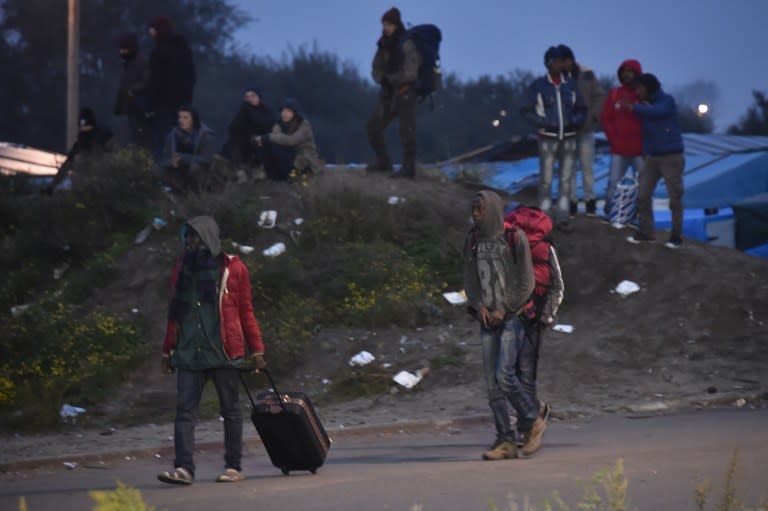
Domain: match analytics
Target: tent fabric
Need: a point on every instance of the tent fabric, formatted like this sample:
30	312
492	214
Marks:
751	222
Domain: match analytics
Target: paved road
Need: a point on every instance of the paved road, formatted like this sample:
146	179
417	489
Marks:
441	469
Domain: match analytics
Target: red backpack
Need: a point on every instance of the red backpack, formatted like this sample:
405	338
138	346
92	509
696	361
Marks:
537	227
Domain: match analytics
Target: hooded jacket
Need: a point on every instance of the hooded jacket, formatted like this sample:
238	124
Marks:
396	62
238	324
622	126
172	72
493	276
299	135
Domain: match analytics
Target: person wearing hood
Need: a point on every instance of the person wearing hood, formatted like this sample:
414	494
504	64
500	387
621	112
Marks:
188	151
622	128
172	78
253	119
664	158
211	332
395	68
593	95
92	140
555	108
131	99
499	280
291	145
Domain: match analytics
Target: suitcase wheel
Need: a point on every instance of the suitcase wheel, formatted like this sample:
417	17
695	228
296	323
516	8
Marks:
313	470
285	471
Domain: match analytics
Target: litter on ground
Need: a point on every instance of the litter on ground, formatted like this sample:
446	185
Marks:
410	380
18	310
568	329
361	359
268	219
246	249
68	411
627	287
275	250
298	221
456	297
394	199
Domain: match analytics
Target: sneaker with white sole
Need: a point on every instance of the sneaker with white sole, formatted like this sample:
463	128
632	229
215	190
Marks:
639	237
674	242
179	475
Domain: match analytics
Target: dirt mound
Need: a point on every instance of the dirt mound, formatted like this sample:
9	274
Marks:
695	330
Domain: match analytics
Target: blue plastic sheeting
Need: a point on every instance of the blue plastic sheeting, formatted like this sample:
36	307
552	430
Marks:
694	221
710	181
759	251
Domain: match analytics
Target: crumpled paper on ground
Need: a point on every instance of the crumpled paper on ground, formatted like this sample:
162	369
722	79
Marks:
361	359
627	287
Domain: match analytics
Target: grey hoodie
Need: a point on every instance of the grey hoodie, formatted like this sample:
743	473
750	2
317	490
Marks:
208	230
493	276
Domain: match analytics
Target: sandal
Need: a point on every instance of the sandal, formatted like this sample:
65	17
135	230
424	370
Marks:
178	476
230	475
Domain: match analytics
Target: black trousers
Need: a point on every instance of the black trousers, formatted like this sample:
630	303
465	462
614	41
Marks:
402	107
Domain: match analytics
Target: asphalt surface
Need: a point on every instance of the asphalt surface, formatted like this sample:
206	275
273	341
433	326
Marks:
441	469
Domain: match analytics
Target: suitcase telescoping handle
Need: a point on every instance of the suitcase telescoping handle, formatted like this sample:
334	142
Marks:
271	382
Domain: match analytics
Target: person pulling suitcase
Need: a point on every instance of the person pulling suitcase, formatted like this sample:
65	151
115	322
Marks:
211	330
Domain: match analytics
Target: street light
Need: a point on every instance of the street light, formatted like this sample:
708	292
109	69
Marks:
495	123
702	109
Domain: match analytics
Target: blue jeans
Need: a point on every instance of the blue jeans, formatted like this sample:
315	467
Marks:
550	150
509	366
190	386
585	149
619	166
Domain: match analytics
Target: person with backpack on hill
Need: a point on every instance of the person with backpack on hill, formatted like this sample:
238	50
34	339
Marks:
555	107
499	279
663	147
593	95
622	129
396	69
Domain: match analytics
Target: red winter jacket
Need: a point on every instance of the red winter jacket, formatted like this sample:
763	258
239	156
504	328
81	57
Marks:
238	322
622	126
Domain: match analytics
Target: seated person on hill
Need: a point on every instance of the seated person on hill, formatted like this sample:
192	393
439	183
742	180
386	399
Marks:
253	119
188	152
92	140
291	145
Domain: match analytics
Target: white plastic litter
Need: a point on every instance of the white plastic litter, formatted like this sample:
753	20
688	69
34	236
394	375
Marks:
246	249
361	359
627	287
58	272
18	310
298	221
267	219
394	199
70	465
275	250
326	381
68	411
568	329
410	380
456	297
135	310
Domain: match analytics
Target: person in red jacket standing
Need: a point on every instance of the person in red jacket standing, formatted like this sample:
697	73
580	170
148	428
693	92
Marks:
623	128
211	330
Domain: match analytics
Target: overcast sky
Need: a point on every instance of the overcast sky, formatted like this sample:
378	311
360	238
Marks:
678	40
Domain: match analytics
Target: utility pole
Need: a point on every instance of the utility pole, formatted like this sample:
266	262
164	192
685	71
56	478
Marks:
73	71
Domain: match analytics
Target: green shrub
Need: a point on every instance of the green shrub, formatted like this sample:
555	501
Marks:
49	355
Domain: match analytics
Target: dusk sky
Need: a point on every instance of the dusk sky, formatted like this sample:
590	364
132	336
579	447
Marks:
678	40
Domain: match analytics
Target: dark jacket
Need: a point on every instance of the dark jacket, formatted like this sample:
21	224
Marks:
201	140
249	122
493	277
239	327
396	63
661	126
172	73
622	126
89	143
592	94
557	111
132	93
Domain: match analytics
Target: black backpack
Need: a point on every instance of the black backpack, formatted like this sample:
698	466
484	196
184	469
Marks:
427	40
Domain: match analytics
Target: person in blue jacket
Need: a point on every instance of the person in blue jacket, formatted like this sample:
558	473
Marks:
556	109
663	150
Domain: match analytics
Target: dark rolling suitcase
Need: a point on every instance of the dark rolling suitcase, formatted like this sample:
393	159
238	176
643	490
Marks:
289	428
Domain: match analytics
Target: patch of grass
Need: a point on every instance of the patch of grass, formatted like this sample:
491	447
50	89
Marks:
454	357
96	272
356	382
